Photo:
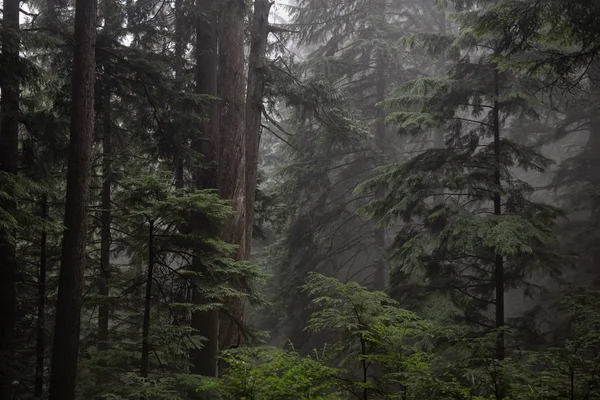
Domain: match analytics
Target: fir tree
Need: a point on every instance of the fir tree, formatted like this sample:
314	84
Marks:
484	235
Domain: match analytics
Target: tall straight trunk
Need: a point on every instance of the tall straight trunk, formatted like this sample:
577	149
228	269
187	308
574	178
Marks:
66	335
204	361
256	79
106	219
9	136
231	90
438	132
103	278
379	279
40	345
178	159
145	360
231	157
499	261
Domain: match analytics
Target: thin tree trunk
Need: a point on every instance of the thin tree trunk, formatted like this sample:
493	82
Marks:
9	135
204	361
499	262
40	345
106	219
68	308
438	132
178	160
380	276
232	158
145	361
255	86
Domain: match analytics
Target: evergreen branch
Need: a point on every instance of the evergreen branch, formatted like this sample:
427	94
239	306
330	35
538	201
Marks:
276	29
273	121
472	121
276	135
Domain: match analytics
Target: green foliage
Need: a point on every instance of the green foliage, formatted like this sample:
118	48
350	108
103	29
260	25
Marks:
375	339
406	357
552	38
458	206
149	206
266	373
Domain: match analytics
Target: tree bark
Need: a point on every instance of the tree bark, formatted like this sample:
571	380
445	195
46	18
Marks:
145	360
40	345
68	308
204	361
255	86
9	136
231	89
231	157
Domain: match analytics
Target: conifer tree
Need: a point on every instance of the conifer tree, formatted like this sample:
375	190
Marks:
66	337
486	235
558	41
354	59
206	322
9	153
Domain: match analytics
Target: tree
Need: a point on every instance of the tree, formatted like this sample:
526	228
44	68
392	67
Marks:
473	250
558	41
104	274
337	137
68	309
9	153
254	107
205	360
232	151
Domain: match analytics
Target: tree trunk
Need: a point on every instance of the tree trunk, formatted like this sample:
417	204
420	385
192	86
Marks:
204	361
231	89
9	136
145	361
255	86
40	345
499	261
178	158
68	308
438	132
231	157
106	219
380	276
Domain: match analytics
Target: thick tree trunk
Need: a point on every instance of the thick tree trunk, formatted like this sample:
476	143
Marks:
68	308
231	89
499	261
204	361
9	134
145	360
255	86
40	345
231	157
106	219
